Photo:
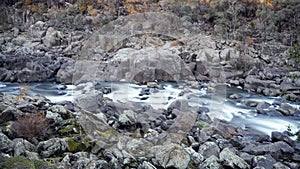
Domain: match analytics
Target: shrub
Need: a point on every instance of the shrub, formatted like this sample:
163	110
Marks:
294	55
31	127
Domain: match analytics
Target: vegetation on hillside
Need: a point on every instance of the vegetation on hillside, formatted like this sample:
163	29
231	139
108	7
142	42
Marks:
255	20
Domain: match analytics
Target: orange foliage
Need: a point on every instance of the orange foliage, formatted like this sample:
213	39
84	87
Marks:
249	40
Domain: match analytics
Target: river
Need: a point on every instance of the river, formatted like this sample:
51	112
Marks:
218	103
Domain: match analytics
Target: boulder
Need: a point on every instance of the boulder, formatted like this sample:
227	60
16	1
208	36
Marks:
278	136
37	30
212	163
262	107
52	38
254	82
278	150
52	147
6	144
232	160
266	161
208	149
170	155
22	147
287	109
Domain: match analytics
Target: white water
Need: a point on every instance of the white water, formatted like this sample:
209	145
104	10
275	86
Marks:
219	106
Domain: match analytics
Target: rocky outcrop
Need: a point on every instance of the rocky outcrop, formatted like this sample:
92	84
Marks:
26	68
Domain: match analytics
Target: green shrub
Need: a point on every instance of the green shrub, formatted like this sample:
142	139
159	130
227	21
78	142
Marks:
294	55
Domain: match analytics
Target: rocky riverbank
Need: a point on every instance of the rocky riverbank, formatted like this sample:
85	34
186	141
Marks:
96	132
104	134
129	49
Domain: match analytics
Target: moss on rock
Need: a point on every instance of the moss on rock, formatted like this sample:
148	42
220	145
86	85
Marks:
22	162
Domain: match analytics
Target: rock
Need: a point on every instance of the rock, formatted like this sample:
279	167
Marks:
52	38
178	104
37	30
29	68
232	160
83	160
234	96
197	158
6	144
229	54
66	72
278	136
128	117
170	155
266	161
136	147
211	163
55	116
287	109
279	165
225	130
146	165
208	149
152	85
247	157
262	107
254	82
21	147
278	150
52	147
98	130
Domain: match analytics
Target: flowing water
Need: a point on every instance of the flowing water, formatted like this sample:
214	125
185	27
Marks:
219	105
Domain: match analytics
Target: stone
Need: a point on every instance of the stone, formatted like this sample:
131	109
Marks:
232	160
135	147
55	116
52	147
37	30
197	158
234	96
6	144
266	161
128	117
287	109
279	165
22	146
152	85
278	136
254	81
208	149
66	71
211	163
278	150
146	165
262	107
170	155
52	38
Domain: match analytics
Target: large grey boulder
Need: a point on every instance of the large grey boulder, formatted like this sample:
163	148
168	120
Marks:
5	143
52	147
131	65
22	147
232	160
211	163
170	155
278	150
209	149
